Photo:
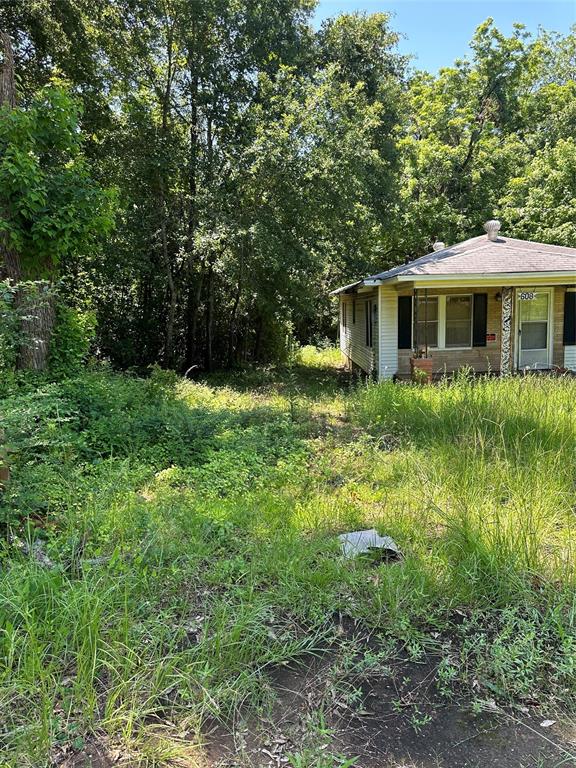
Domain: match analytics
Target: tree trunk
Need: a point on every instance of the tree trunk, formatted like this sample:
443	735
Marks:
209	319
7	88
168	265
192	310
173	299
208	354
9	261
36	307
231	355
191	273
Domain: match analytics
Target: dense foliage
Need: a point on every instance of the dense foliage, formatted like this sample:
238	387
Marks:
54	208
259	163
52	215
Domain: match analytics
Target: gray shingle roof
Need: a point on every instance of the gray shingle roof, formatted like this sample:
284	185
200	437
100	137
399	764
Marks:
481	256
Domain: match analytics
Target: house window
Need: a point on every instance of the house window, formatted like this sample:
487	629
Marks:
443	322
427	322
458	321
343	314
353	311
368	324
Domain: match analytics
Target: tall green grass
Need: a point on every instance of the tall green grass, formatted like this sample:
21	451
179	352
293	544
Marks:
485	506
191	529
492	464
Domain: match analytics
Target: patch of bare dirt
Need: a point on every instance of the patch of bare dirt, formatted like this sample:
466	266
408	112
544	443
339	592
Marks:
386	714
405	722
96	754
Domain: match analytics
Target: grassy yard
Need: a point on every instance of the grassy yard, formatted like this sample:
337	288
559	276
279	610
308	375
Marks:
170	545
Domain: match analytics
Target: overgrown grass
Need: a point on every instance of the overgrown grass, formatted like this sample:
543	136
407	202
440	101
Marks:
490	474
190	536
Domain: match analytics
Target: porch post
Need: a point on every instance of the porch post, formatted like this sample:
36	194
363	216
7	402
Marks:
415	328
426	322
506	332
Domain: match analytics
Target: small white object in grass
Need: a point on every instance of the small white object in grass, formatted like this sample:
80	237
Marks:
547	723
363	542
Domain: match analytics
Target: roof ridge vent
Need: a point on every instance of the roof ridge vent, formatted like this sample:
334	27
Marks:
492	228
438	246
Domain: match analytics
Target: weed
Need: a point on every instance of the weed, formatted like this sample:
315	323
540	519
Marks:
316	753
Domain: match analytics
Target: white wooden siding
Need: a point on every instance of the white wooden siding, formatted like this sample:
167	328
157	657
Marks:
570	358
388	336
385	358
353	335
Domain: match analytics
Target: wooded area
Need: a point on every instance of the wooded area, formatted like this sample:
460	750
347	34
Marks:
182	183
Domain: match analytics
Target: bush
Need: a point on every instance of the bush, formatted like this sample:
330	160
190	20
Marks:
73	334
8	326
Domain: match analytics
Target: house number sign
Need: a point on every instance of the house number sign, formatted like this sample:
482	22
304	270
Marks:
527	295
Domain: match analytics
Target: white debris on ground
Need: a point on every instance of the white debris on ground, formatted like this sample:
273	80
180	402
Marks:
368	542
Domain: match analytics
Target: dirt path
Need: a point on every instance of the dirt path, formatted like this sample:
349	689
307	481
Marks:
397	716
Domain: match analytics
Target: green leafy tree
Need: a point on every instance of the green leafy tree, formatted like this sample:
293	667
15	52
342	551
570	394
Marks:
51	210
462	139
309	190
541	204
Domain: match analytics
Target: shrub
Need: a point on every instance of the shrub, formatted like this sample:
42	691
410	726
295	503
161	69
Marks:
8	326
72	336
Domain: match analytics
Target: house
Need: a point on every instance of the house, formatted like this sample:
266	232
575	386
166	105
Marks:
491	303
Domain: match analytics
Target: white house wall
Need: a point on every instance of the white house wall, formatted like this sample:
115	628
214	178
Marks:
353	335
570	358
388	337
385	358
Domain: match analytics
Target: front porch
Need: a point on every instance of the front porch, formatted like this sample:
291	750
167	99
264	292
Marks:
496	329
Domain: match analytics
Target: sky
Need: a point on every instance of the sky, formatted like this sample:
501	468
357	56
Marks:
438	31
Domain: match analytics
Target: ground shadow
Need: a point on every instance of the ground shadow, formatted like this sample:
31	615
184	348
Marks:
309	381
